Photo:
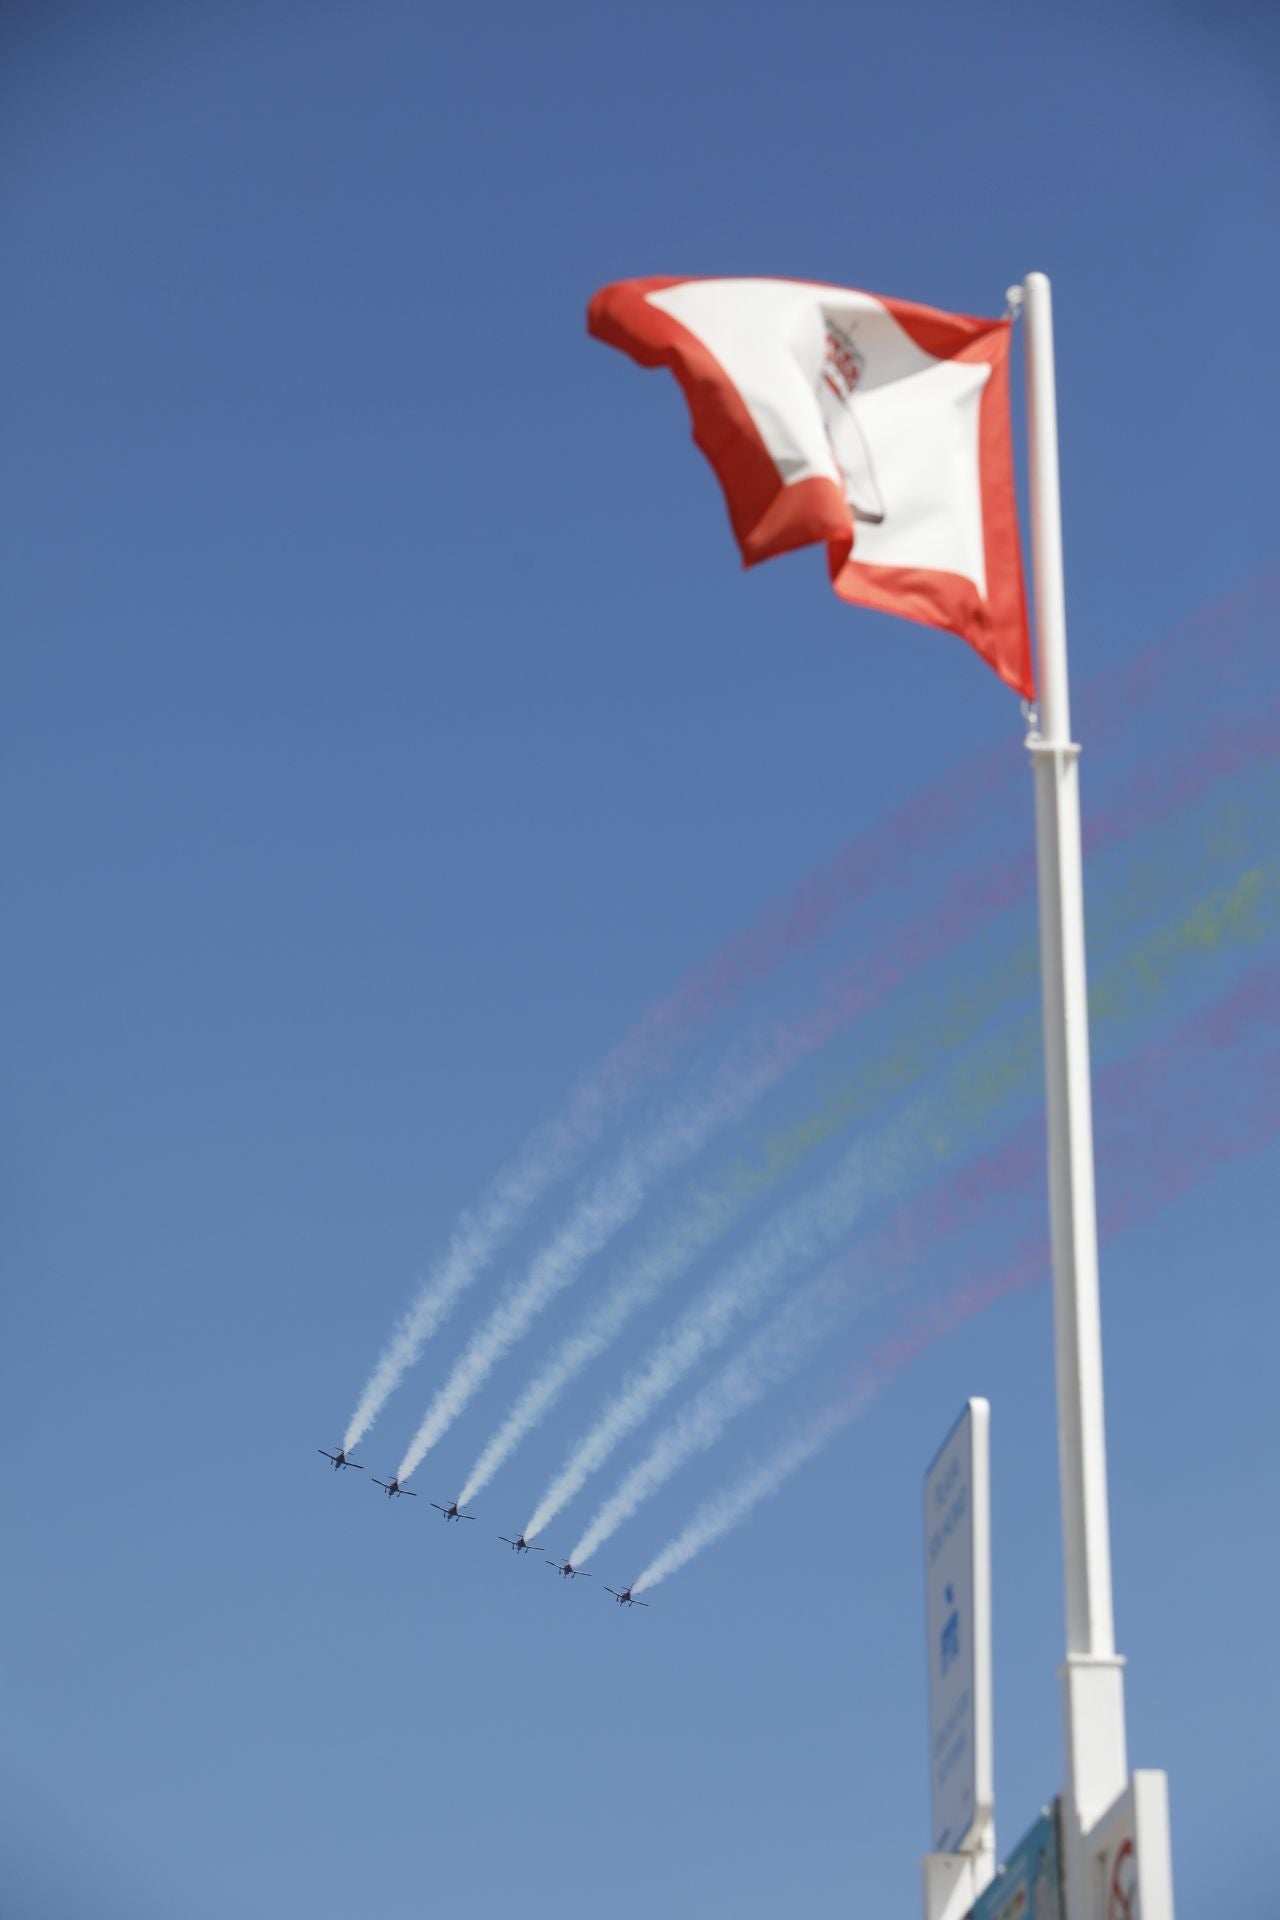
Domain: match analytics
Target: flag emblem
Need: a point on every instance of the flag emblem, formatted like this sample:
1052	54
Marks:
841	370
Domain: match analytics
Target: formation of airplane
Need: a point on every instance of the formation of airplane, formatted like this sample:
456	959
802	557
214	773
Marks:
565	1568
340	1459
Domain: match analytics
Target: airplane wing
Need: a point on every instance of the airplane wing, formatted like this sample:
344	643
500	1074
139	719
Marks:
409	1490
639	1603
436	1505
326	1453
356	1465
502	1536
578	1574
466	1516
614	1592
379	1483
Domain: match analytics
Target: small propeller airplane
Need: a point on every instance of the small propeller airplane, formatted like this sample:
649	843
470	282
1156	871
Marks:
452	1511
393	1486
626	1598
340	1459
568	1572
521	1545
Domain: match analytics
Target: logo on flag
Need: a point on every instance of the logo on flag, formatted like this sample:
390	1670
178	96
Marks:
841	370
875	427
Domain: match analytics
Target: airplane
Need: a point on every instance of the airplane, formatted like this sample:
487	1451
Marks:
451	1511
626	1598
393	1486
521	1545
340	1459
566	1571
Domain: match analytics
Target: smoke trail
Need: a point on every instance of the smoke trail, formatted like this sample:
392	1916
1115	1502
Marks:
950	1020
784	1343
868	1171
945	1025
728	1509
1152	794
551	1154
800	1232
610	1205
479	1232
613	1200
873	860
764	1363
930	1129
1016	1167
1173	1176
1149	798
939	811
666	1257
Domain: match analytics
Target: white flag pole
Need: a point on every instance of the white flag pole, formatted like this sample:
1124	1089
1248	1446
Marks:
1093	1678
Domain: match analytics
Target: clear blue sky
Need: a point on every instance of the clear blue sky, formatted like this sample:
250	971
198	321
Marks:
386	725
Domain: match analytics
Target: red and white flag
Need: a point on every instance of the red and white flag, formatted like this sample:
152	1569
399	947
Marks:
877	427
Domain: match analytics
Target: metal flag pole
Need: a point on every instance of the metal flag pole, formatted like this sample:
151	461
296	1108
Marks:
1093	1676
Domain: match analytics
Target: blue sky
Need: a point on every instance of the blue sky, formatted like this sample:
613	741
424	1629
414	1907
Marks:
387	725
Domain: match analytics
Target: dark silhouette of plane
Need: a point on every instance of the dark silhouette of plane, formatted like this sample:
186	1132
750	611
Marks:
626	1598
521	1545
340	1459
451	1512
393	1486
568	1572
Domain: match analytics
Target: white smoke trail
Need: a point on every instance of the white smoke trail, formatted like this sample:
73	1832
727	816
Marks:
549	1155
800	1232
663	1261
554	1150
481	1230
614	1199
769	1358
1171	1168
907	1059
729	1508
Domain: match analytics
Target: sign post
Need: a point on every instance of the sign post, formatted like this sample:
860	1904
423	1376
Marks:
957	1556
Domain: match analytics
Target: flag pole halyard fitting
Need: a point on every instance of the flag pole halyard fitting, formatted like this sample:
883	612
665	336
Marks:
1093	1678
